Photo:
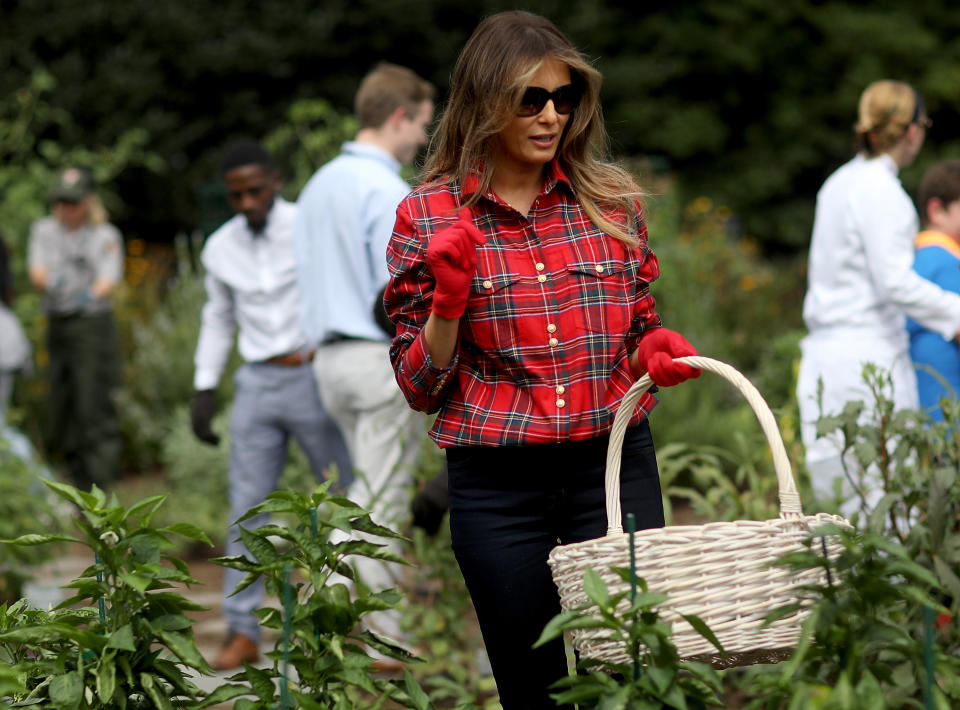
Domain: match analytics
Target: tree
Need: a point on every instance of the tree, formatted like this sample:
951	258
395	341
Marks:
750	102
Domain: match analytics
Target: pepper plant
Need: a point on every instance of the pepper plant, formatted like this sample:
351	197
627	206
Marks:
123	639
914	464
320	661
868	641
655	677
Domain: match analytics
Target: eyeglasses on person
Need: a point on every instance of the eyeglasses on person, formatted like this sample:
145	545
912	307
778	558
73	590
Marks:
565	98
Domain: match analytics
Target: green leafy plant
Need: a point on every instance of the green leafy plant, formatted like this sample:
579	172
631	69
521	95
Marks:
865	643
914	464
123	640
24	504
320	661
310	136
439	616
656	676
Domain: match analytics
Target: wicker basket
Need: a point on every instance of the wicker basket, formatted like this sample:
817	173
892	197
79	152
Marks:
720	572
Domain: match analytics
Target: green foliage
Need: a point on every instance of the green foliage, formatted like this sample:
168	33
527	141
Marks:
160	326
24	504
732	304
873	617
311	135
863	645
750	102
913	462
721	484
439	616
321	655
735	305
656	677
31	153
123	639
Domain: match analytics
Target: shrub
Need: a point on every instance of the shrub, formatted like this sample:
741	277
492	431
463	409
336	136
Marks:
320	660
733	305
123	640
864	644
656	676
24	504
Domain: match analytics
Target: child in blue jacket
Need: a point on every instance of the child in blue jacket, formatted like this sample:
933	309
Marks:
937	259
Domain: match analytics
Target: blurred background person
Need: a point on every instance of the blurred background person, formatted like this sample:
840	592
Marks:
938	259
14	347
252	287
861	285
75	260
345	220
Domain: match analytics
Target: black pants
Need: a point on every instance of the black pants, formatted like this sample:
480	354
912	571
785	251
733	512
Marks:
84	375
509	507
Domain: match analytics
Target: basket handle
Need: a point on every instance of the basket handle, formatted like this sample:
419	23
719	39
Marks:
789	497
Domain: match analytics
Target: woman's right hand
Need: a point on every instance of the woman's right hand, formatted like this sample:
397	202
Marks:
452	259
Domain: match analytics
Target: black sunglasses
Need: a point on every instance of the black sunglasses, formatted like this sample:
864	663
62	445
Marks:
565	98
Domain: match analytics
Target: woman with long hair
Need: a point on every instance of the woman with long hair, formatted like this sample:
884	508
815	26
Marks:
520	291
860	281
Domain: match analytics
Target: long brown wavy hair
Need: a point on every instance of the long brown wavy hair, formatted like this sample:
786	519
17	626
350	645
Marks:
494	69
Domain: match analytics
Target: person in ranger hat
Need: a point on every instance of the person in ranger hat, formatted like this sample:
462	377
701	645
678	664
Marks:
76	260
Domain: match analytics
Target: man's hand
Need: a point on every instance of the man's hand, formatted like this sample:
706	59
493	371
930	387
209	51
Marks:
101	288
655	355
202	409
452	259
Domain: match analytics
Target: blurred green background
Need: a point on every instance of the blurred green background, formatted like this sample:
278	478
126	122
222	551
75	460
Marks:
730	112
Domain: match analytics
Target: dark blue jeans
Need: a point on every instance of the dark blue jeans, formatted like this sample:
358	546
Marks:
509	506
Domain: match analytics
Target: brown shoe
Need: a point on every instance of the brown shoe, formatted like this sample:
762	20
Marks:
237	649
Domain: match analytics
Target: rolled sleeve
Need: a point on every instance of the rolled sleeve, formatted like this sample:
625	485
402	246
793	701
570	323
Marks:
217	326
644	314
407	301
424	385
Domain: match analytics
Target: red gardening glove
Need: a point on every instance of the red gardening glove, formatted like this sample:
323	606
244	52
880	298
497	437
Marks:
655	354
452	259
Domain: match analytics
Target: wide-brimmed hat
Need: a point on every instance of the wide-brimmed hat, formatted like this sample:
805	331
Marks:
72	185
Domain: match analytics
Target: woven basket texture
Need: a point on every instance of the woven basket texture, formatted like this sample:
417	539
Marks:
721	571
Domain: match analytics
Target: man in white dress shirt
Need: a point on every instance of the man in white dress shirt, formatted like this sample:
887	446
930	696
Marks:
346	215
251	283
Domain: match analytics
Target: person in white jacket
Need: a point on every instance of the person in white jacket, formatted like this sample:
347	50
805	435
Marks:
860	281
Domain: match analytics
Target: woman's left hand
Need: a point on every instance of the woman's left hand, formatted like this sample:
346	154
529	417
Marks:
655	355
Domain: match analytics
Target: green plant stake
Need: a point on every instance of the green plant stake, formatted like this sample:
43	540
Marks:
928	657
287	615
321	660
631	529
313	521
100	606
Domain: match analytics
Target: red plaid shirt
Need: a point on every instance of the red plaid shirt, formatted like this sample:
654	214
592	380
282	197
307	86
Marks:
555	308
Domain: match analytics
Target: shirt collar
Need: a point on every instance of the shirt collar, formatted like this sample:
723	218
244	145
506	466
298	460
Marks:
554	176
933	238
266	231
372	152
889	163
